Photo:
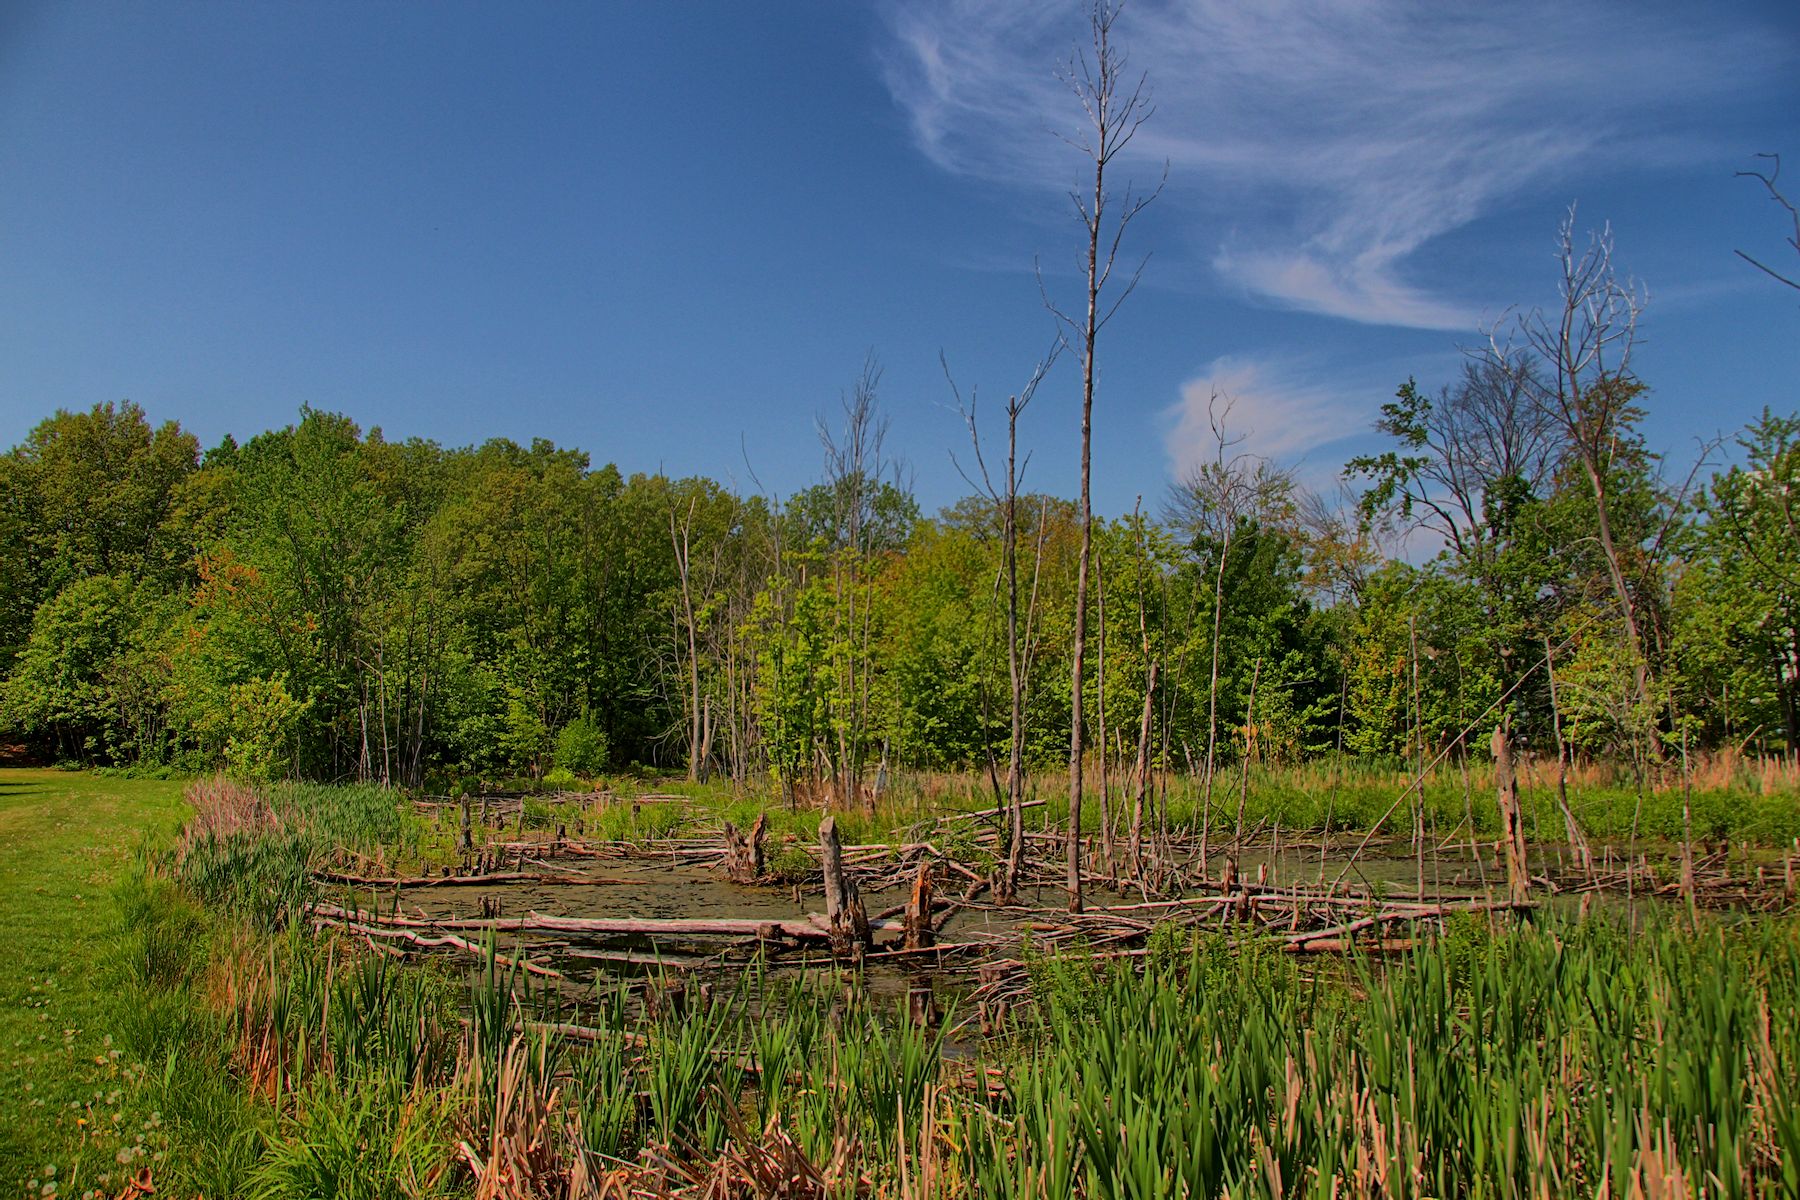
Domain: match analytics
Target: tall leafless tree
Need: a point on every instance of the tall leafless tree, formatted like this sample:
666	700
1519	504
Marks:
1114	108
1018	668
1587	393
1465	455
855	470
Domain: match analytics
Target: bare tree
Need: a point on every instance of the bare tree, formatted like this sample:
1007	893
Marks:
1585	346
1341	546
704	546
1214	501
1467	455
855	472
1017	666
1770	181
1114	108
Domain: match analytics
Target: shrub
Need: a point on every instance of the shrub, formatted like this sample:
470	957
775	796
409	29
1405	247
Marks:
264	717
581	747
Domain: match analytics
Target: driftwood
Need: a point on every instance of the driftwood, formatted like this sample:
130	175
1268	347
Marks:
490	877
373	929
693	928
987	812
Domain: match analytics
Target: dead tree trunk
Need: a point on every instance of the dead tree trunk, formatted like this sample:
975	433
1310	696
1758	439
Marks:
1141	773
1578	843
919	933
1512	823
844	910
1114	115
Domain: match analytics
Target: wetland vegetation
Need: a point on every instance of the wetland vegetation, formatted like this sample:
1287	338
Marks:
248	1047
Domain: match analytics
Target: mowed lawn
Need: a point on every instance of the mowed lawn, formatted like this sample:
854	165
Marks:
65	838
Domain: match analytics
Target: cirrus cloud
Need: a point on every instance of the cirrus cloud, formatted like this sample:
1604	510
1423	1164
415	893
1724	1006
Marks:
1265	411
1323	142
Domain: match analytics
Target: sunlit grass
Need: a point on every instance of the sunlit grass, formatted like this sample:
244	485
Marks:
65	1097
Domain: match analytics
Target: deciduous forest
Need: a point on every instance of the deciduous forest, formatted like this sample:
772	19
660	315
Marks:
326	602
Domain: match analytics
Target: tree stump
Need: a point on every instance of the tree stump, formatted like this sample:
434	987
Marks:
744	854
844	911
919	933
920	1006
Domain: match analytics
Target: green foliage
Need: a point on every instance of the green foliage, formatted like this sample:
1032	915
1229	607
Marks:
523	737
351	1141
88	494
264	721
581	747
90	675
323	602
1737	607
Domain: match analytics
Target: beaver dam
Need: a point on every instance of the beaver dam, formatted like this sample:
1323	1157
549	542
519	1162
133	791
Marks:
615	994
565	904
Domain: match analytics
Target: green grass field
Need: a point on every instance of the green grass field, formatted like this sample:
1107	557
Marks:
65	840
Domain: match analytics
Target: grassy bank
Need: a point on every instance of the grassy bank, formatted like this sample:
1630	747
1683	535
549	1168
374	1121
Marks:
65	841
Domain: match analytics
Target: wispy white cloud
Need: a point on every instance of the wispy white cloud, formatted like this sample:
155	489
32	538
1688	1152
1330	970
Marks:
1323	142
1264	411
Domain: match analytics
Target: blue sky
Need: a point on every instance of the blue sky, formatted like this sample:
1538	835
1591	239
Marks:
669	233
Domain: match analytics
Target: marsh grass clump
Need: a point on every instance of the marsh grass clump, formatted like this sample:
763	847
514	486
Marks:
791	864
1580	1059
252	850
617	822
355	1140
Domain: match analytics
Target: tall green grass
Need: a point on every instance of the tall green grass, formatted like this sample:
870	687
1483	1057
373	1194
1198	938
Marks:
1581	1060
253	850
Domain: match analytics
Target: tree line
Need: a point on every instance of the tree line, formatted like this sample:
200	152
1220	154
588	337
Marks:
323	601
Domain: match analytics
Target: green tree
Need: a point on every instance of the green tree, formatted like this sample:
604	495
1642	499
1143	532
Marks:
87	493
89	680
1737	610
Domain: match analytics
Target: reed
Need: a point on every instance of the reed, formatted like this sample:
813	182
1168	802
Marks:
1575	1060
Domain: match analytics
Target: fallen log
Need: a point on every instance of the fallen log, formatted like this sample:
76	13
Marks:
638	958
745	928
425	942
423	881
988	812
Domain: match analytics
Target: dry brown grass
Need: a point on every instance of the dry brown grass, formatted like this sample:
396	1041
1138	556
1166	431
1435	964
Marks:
223	808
